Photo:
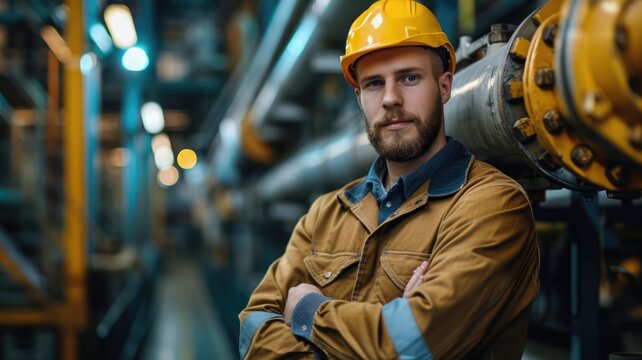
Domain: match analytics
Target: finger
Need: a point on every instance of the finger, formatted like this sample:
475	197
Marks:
424	267
416	276
416	279
287	313
421	269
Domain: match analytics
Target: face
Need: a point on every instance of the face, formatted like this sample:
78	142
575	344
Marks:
402	101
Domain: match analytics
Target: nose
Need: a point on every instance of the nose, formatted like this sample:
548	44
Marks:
391	97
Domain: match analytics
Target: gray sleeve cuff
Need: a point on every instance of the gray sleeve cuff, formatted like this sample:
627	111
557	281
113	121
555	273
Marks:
303	315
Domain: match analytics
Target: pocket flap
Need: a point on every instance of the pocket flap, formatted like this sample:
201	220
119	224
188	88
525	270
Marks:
399	265
324	268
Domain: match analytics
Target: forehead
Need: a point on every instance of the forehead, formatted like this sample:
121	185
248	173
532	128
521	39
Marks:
393	59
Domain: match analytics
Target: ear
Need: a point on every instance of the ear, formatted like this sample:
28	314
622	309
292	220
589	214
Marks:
445	85
357	93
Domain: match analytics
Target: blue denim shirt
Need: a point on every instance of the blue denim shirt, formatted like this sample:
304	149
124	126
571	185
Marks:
389	201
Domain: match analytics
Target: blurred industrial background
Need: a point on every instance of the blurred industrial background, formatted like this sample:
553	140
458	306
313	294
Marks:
156	154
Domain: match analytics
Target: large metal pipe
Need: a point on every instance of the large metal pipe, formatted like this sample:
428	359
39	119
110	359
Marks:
326	164
286	81
485	133
271	112
226	122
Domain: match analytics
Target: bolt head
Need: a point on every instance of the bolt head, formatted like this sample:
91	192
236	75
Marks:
514	90
553	122
545	78
582	156
524	130
549	34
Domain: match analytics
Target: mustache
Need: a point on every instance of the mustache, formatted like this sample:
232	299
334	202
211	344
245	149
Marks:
397	115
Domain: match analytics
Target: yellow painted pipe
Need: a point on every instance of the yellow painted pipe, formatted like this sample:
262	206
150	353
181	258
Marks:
75	186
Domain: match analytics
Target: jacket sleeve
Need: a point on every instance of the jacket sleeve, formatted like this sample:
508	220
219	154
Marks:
264	334
482	274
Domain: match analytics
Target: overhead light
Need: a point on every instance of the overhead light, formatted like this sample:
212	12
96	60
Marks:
162	149
168	176
160	140
87	63
163	157
186	159
99	35
152	115
135	59
56	43
121	25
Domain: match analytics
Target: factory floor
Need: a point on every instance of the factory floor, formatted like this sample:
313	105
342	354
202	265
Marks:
186	325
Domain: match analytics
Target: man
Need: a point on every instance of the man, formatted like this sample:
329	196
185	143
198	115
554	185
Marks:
432	255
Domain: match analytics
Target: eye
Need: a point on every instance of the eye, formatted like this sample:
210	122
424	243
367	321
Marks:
410	78
373	84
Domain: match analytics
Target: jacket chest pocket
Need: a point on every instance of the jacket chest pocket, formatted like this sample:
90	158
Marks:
396	270
334	273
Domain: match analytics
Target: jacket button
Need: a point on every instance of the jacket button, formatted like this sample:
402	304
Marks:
327	275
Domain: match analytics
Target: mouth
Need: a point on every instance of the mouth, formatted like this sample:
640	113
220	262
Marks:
396	125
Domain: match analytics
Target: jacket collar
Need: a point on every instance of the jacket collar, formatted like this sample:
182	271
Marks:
450	175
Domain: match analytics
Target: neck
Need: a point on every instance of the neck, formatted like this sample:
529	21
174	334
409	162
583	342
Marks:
397	169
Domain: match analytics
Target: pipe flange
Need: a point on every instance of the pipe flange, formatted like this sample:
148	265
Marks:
554	134
531	74
597	84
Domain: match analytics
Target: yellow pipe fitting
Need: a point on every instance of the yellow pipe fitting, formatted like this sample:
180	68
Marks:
514	90
520	48
551	8
541	101
631	31
608	110
546	108
254	147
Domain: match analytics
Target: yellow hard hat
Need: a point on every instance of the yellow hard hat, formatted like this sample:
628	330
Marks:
391	23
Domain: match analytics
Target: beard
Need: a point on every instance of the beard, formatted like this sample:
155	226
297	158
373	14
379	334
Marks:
398	148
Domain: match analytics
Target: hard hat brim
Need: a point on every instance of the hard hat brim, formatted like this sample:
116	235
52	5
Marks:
430	40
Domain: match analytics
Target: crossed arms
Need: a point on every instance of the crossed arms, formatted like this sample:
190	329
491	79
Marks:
480	277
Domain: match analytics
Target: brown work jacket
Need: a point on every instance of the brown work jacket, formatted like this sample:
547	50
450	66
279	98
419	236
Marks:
475	228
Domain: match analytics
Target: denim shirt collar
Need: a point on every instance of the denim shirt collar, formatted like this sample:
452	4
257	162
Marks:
448	171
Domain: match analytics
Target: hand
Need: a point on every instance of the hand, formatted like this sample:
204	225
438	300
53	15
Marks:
416	279
295	294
